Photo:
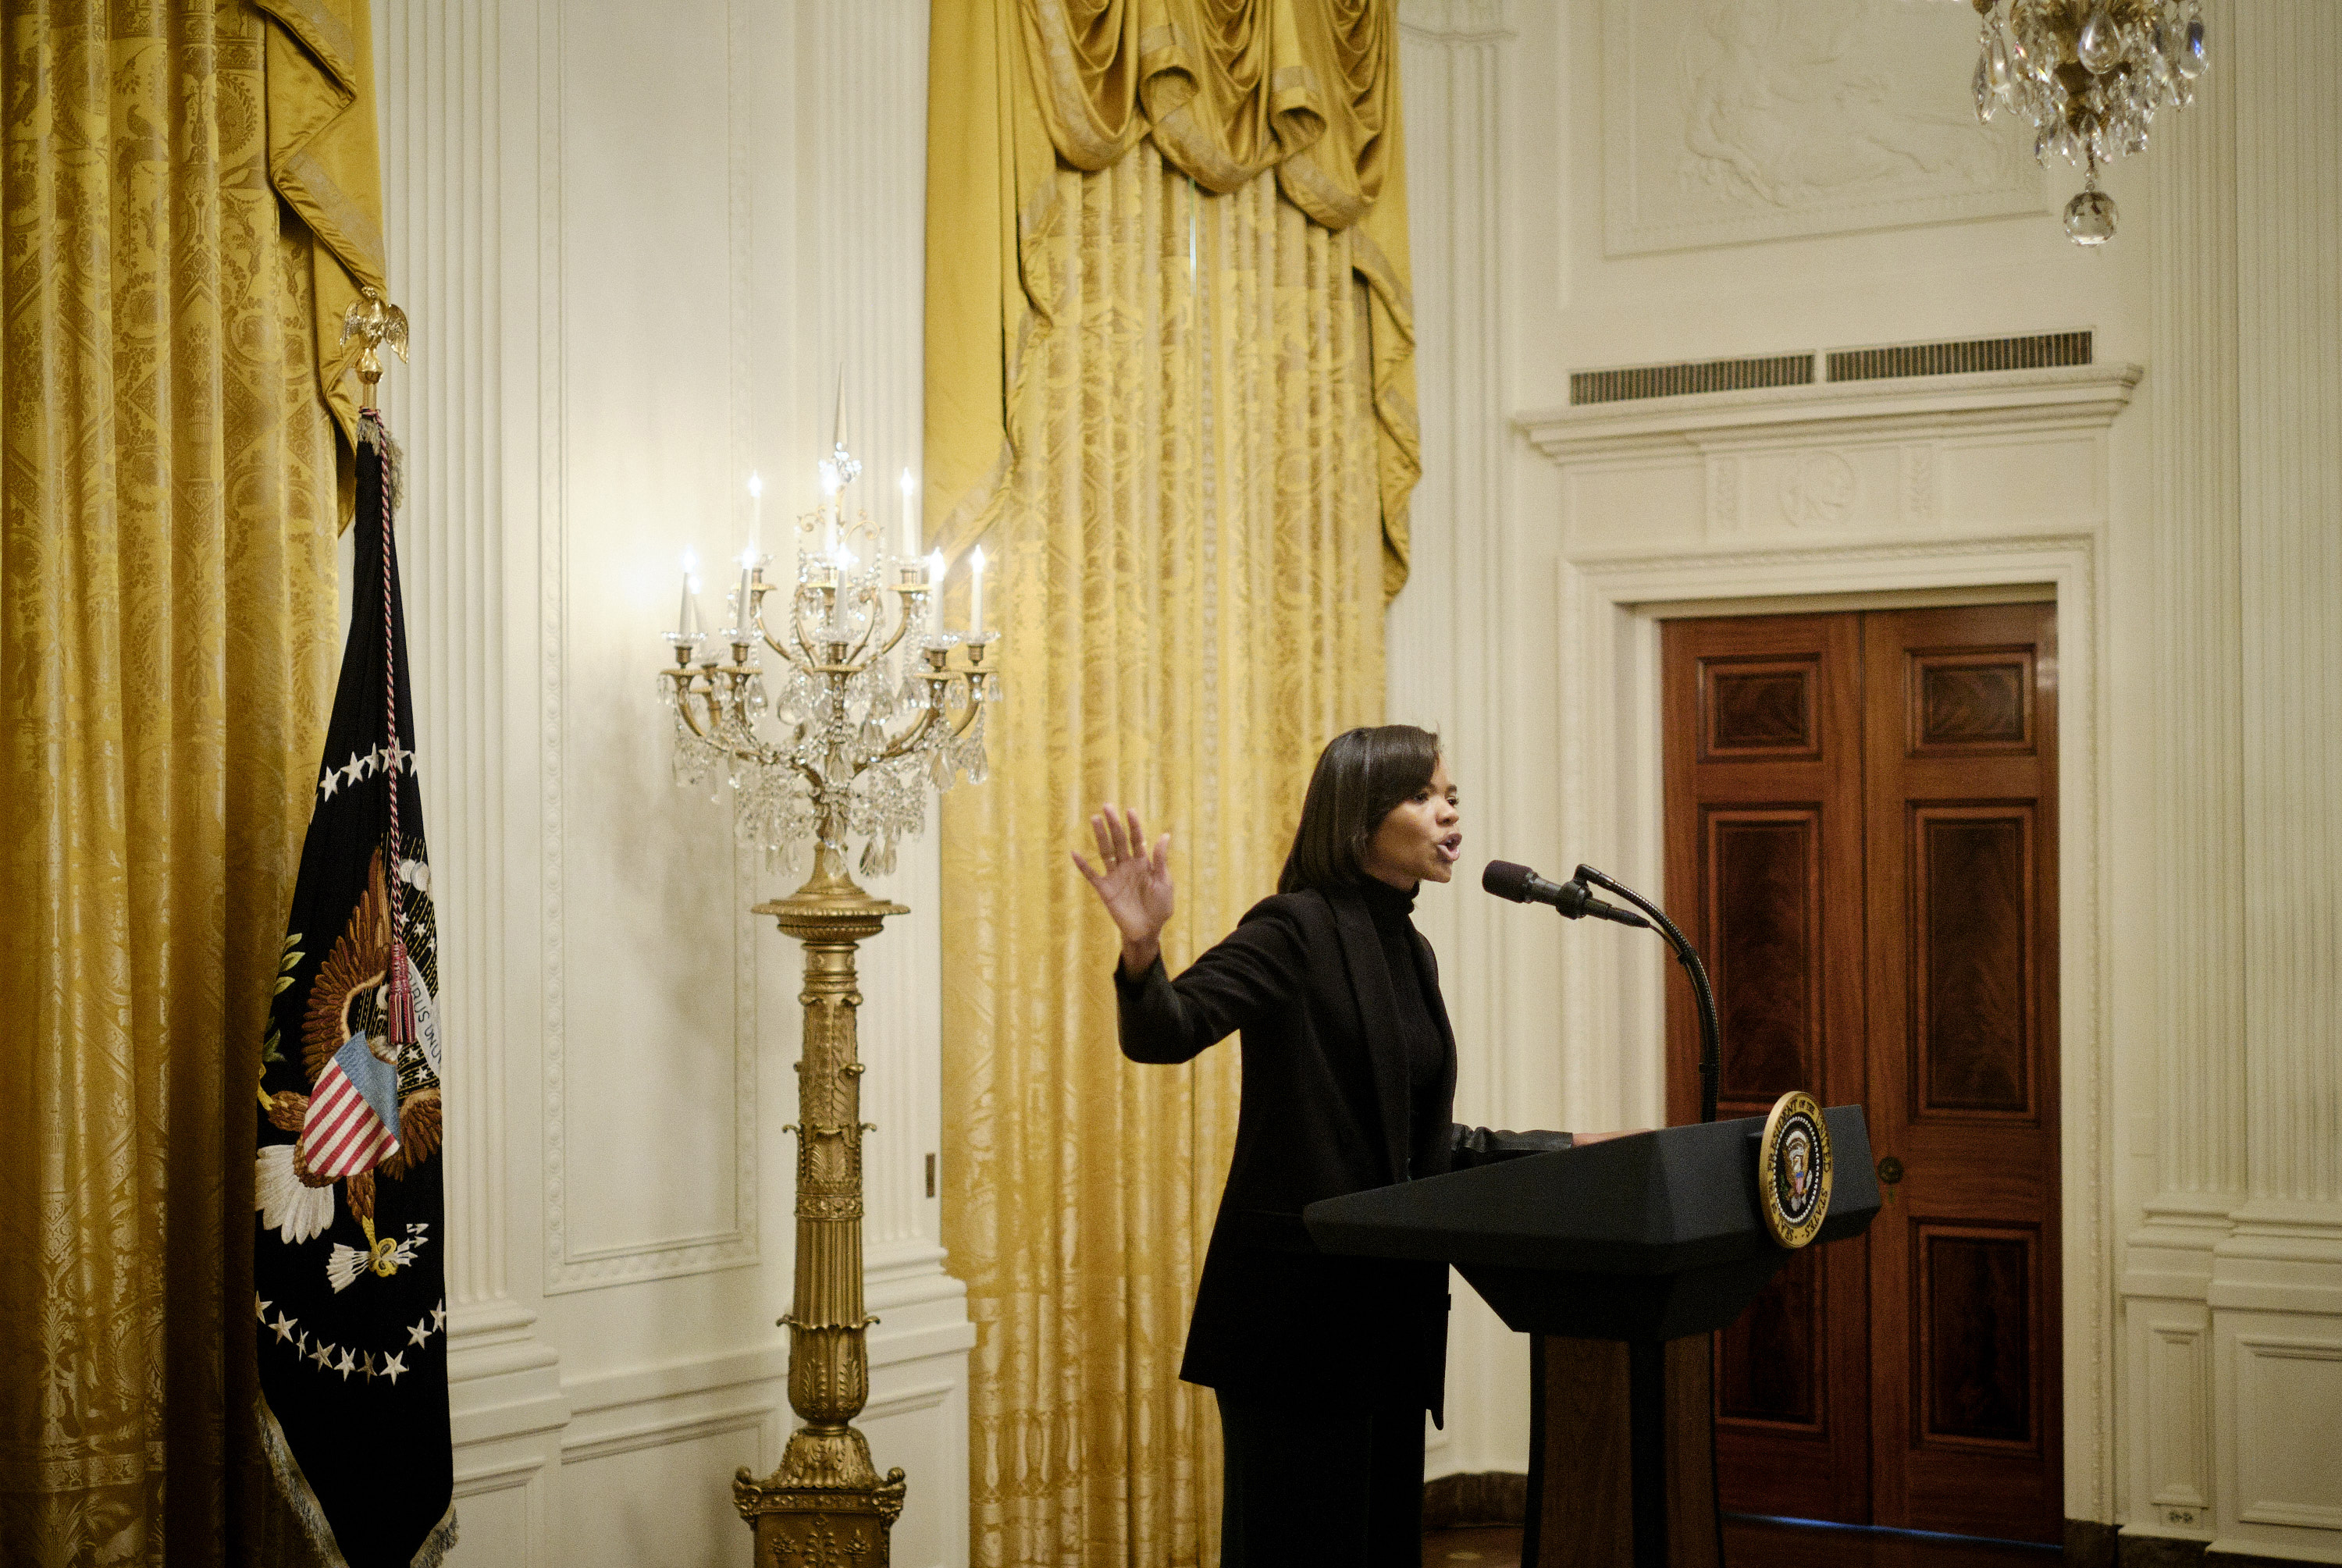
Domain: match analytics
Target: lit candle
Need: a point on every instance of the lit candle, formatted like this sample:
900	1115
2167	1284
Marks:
755	513
748	600
935	594
687	613
975	594
910	516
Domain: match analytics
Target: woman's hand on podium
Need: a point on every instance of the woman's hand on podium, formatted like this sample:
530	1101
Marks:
1134	884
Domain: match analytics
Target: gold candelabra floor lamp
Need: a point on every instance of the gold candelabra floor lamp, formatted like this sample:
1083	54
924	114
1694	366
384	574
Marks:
868	711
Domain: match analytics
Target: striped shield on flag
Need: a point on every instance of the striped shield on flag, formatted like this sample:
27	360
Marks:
353	1121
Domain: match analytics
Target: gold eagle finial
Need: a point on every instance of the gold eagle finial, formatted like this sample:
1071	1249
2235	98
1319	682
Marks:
378	325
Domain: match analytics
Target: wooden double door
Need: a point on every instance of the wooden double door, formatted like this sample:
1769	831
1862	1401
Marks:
1861	838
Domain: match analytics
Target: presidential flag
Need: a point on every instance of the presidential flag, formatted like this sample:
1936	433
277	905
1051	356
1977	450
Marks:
348	1284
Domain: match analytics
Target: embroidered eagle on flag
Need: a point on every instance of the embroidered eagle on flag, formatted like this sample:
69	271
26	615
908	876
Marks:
355	1119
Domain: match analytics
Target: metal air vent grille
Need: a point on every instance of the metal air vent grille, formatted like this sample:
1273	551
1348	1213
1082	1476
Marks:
2047	349
1679	379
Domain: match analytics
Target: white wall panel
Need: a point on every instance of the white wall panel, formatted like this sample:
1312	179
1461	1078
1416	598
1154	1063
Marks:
603	223
650	1063
641	1497
500	1510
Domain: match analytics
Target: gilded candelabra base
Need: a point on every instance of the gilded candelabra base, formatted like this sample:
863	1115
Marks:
827	1506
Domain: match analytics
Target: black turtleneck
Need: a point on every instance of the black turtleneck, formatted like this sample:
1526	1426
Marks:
1426	1052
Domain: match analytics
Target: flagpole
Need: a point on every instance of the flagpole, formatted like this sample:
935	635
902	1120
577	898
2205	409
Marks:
353	1338
378	323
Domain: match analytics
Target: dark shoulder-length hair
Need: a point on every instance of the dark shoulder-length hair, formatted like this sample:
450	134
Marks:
1361	774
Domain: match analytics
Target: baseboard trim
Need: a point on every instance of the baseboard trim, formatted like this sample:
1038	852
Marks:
2090	1545
1489	1497
2178	1551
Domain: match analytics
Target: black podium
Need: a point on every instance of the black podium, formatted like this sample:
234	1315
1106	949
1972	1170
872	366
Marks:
1654	1241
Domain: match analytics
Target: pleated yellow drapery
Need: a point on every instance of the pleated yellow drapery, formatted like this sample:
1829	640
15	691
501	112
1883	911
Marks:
189	192
1186	437
1227	90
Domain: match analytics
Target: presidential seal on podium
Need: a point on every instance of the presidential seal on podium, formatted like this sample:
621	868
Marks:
1793	1169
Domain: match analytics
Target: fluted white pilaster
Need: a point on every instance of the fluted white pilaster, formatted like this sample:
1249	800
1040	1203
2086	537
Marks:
2199	684
2233	1286
861	213
2289	407
438	64
445	93
1451	656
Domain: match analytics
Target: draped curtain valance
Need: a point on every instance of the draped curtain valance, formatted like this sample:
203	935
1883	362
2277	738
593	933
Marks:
1228	90
323	162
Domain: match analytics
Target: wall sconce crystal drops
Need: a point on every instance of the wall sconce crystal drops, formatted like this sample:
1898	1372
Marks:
866	708
2089	74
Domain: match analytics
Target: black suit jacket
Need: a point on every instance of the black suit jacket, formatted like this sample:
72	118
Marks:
1326	1109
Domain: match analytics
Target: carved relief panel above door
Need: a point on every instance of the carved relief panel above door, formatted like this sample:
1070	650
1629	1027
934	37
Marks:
1734	120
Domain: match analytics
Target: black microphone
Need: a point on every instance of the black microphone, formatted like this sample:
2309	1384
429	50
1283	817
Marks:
1574	899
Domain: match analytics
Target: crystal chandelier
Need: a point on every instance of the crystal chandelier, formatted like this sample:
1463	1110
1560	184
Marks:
867	711
2089	75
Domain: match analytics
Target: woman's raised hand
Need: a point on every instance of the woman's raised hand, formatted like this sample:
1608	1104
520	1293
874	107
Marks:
1135	883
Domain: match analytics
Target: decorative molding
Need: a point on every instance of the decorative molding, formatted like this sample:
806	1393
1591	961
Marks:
1456	21
570	1266
761	1419
2079	397
1922	495
478	1480
2174	1441
946	1335
1766	119
1608	701
2272	1403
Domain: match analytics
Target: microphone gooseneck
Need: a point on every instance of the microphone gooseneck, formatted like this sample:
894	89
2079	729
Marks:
1573	898
1688	956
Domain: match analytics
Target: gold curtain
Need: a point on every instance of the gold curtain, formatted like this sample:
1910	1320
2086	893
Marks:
1227	90
1188	453
166	648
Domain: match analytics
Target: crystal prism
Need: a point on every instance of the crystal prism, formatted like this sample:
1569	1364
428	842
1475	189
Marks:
2090	217
2100	46
2192	62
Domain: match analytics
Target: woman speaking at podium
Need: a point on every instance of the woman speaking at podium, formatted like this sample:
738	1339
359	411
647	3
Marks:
1323	1365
